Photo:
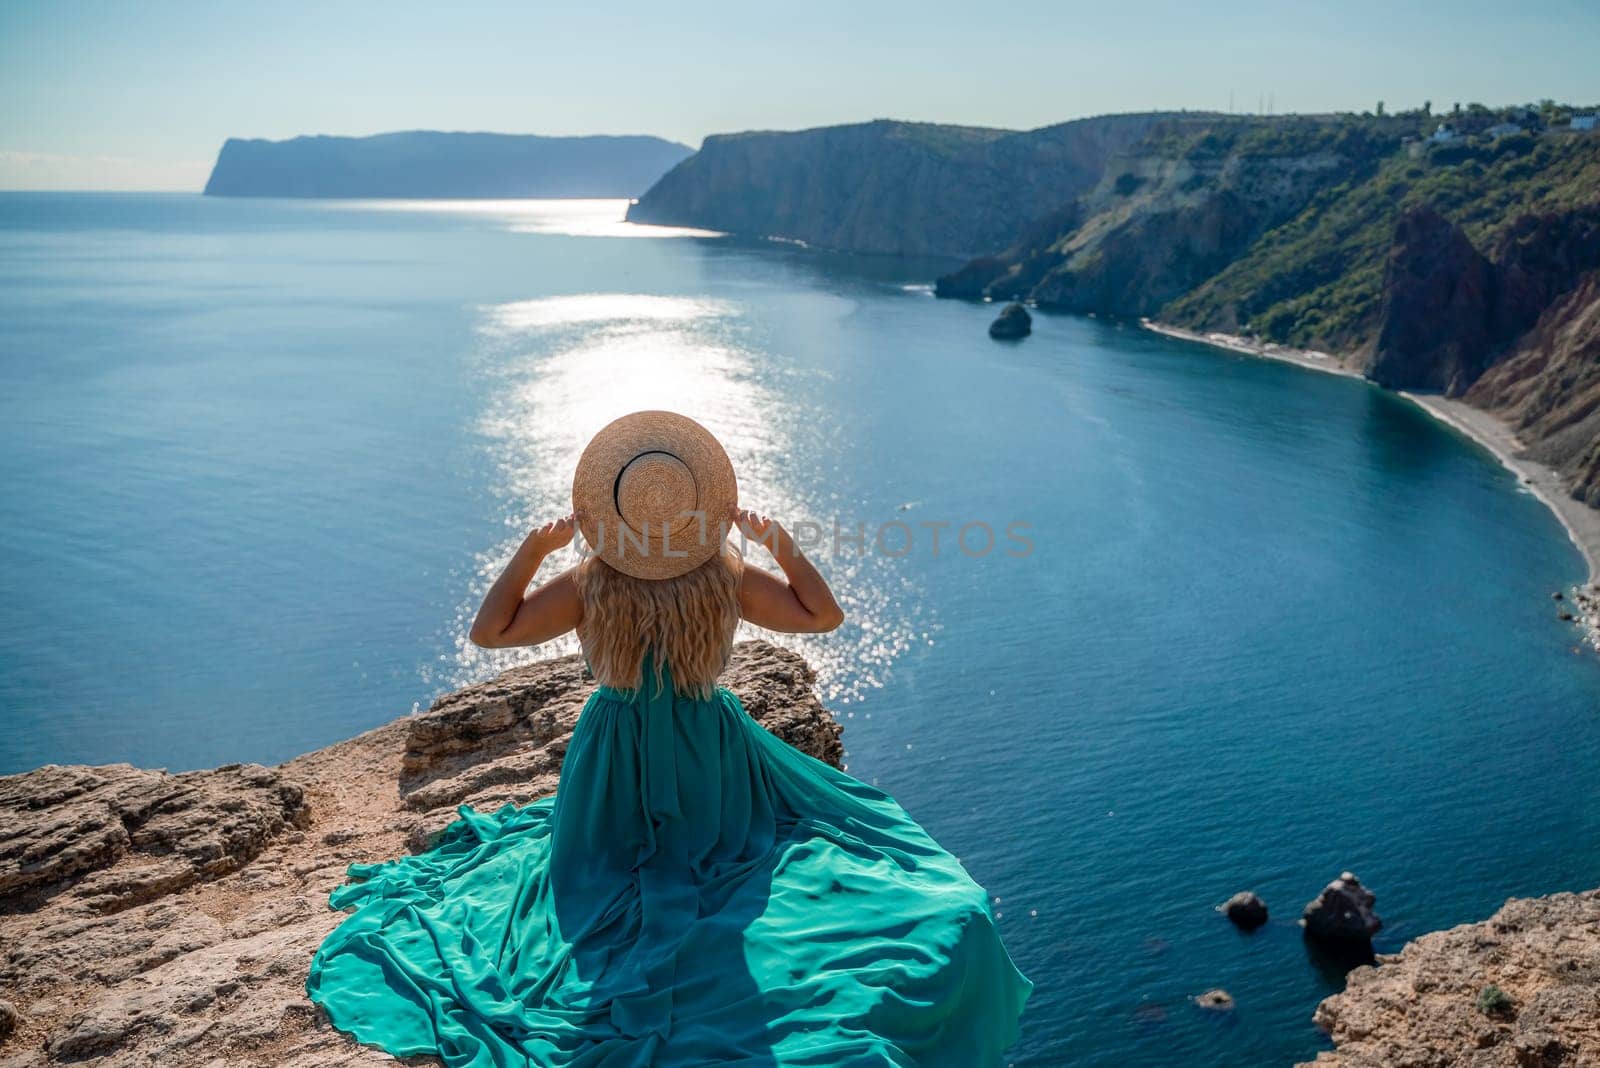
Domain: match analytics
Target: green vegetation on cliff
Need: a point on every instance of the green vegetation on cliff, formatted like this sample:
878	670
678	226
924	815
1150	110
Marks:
1353	137
1432	245
1316	281
1466	262
1175	209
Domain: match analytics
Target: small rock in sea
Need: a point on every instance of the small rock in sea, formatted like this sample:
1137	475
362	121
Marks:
1245	909
1014	322
1342	912
1215	1001
1557	596
1565	617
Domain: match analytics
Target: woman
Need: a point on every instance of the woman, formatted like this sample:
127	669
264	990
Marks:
697	891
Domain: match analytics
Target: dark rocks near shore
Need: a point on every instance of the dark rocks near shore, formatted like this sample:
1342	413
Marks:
971	281
1245	909
1342	913
1014	322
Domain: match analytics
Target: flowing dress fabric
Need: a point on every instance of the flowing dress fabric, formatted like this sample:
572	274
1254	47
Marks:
696	892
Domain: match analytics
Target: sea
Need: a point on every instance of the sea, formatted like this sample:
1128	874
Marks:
1133	623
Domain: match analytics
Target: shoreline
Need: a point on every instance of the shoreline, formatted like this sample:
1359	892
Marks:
1488	430
1311	361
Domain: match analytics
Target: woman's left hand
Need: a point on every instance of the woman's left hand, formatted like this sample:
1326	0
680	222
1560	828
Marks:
758	527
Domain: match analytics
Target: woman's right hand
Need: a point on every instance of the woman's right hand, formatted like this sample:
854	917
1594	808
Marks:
553	535
511	614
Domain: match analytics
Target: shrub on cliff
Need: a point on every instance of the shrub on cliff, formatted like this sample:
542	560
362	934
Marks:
1492	1001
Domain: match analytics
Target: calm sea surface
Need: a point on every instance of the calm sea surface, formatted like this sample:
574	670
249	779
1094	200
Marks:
260	459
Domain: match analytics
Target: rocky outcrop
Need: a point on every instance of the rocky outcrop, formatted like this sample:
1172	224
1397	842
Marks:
1439	293
1516	332
1013	322
152	919
888	187
115	836
1548	389
1520	990
1449	311
1245	909
428	163
1342	912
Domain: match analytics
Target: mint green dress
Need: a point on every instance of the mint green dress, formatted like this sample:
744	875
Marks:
697	892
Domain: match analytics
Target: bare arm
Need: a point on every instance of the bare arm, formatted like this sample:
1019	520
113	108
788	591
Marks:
804	604
510	615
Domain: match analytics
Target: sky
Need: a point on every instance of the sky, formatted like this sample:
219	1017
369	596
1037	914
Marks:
118	95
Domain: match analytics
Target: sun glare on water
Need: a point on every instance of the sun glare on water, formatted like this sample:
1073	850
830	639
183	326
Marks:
572	218
561	368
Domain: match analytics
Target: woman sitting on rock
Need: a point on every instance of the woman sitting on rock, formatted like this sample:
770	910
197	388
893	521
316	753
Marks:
697	891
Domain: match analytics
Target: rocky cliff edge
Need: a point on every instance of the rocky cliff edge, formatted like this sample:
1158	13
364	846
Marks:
1519	990
148	918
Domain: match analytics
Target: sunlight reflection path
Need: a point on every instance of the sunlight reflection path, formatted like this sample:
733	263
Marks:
573	218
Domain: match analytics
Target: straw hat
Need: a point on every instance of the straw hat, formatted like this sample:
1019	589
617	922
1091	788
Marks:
654	493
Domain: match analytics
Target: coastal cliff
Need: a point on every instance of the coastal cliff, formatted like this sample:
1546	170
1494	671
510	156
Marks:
156	919
1182	204
1463	269
1519	990
429	164
902	188
1425	262
1548	389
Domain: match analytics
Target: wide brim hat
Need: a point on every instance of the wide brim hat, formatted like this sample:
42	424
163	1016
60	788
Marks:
654	493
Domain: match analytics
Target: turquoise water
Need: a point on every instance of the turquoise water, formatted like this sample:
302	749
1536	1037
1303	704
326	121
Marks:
261	458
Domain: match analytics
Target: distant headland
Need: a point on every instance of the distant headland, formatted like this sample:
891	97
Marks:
428	164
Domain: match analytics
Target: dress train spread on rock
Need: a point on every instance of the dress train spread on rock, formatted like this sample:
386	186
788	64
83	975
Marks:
696	892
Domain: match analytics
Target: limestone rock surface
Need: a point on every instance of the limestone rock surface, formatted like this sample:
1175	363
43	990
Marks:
149	919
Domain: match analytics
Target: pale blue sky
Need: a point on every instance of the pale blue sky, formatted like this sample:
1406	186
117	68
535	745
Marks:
141	95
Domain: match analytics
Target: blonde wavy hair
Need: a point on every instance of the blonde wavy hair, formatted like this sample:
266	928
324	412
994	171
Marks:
686	623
